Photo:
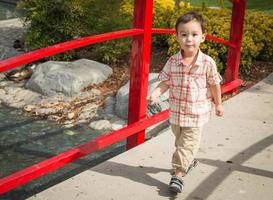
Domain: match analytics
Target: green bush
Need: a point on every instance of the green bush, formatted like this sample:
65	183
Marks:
50	22
55	21
257	38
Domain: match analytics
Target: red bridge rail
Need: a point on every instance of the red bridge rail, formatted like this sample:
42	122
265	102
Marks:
139	70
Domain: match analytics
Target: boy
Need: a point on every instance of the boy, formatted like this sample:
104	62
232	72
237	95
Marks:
192	78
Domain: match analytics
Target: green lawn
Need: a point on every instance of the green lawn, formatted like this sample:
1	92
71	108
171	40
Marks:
258	5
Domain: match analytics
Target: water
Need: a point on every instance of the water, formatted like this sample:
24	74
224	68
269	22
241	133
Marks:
25	141
8	11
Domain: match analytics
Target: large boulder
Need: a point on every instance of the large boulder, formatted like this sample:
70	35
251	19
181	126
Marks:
67	78
122	97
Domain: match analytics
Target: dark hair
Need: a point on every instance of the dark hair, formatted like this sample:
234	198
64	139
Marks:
189	16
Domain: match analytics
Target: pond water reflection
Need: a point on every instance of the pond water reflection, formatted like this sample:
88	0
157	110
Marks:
25	141
8	11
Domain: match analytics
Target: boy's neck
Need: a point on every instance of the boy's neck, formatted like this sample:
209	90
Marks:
190	58
189	55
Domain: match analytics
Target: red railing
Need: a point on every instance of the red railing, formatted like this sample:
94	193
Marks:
62	47
139	70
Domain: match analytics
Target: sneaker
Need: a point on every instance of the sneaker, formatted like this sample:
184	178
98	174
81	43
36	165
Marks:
176	184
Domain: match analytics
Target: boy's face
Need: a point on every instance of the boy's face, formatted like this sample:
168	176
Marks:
190	36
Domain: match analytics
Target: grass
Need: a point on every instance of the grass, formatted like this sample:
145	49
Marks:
257	5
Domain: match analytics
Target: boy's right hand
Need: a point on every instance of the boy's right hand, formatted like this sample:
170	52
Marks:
151	99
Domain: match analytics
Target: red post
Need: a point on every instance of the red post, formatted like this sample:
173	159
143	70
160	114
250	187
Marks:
236	34
139	71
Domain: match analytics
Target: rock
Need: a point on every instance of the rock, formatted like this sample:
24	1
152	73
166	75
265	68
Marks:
70	132
4	83
11	30
101	125
88	112
2	77
71	115
68	78
118	124
123	96
7	52
109	105
2	93
18	97
29	108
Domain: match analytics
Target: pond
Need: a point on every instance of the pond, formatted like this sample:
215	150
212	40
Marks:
25	141
8	11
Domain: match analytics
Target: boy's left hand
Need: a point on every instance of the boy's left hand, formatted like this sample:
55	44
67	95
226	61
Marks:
219	110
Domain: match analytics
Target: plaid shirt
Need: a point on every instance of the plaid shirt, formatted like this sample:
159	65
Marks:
190	98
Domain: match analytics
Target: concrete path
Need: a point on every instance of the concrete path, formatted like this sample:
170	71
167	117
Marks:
235	160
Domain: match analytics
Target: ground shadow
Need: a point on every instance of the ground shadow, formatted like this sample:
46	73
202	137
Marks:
206	187
59	175
141	173
137	174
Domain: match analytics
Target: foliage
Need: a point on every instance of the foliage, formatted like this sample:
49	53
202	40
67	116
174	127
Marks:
55	21
257	39
50	22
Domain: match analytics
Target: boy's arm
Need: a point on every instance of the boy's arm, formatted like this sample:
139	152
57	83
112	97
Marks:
216	94
162	87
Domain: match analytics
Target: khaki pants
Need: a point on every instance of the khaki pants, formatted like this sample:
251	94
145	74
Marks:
187	142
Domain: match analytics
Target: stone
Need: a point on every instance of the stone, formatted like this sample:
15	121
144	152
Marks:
7	52
122	97
2	77
101	125
109	105
68	78
118	124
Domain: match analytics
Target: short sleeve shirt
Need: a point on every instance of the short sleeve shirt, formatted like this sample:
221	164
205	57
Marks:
190	98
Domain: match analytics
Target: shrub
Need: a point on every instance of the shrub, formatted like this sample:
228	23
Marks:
55	21
257	38
49	22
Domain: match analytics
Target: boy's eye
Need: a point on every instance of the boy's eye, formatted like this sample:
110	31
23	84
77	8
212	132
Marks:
183	34
195	34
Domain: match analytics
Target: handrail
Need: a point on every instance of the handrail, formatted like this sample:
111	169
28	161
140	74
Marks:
65	46
33	172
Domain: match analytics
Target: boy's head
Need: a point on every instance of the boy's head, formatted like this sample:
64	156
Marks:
190	32
190	16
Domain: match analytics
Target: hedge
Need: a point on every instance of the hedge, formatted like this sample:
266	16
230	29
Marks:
54	21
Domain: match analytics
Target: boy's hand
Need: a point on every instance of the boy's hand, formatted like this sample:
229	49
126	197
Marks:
151	99
219	110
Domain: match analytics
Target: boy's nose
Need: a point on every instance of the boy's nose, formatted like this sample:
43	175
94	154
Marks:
189	38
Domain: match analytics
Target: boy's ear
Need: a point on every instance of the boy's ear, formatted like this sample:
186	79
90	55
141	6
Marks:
176	37
204	37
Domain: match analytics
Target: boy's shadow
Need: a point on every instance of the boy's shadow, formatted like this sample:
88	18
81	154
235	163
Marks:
137	174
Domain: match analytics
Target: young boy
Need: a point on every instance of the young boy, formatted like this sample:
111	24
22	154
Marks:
193	83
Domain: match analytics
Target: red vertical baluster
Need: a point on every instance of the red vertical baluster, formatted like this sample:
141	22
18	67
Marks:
140	61
236	34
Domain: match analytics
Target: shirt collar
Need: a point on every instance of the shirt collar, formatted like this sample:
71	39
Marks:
198	60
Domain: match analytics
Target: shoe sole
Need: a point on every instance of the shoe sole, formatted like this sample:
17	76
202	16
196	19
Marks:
175	189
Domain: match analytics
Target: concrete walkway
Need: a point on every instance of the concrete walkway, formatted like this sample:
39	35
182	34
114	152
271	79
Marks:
235	160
